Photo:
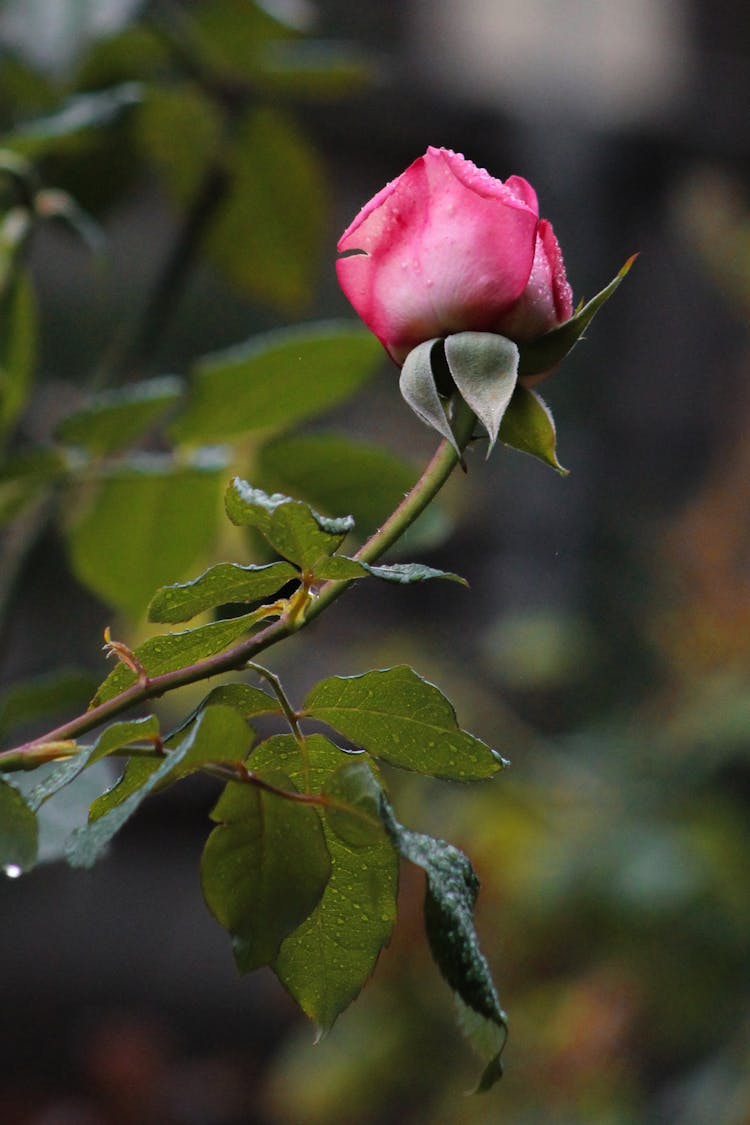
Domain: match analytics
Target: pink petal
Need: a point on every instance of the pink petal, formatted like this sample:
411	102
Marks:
448	248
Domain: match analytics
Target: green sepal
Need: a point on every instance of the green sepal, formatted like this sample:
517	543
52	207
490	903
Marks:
113	420
484	367
264	868
292	527
402	719
528	425
548	350
19	831
419	390
450	896
326	961
219	734
219	585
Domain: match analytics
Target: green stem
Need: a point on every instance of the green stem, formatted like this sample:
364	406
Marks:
237	657
289	713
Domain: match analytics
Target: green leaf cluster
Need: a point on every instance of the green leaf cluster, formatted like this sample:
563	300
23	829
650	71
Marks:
319	910
301	866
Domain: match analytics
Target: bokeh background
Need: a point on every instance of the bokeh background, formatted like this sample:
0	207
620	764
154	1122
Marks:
605	643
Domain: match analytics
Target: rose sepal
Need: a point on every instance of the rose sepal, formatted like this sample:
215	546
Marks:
419	390
528	426
546	351
484	367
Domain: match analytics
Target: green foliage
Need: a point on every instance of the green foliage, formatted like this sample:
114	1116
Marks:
292	527
450	895
353	808
313	70
268	236
113	738
301	867
144	522
135	775
43	695
62	129
179	130
225	582
484	368
17	347
245	698
18	830
403	720
327	960
233	35
23	478
275	381
171	651
402	574
219	734
336	474
115	420
264	868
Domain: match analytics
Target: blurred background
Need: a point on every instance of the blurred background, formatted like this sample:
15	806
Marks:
605	643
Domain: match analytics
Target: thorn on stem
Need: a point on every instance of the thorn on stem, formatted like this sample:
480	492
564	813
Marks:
125	655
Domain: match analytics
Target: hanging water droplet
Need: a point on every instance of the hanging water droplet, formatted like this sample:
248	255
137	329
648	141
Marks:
12	870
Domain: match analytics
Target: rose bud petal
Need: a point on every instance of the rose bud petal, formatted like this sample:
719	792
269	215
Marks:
447	248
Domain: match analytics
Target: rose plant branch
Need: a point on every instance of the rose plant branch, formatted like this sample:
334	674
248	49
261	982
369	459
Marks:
242	654
465	287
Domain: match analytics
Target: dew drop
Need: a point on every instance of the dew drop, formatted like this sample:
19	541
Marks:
12	870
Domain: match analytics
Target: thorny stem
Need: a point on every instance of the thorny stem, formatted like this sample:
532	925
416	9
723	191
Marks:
237	657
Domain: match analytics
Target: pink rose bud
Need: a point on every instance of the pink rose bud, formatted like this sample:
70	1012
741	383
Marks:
446	248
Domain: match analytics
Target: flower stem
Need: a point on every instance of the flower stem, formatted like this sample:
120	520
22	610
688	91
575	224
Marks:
232	659
433	478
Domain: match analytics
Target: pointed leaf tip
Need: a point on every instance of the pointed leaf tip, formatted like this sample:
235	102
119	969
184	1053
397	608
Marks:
484	367
545	353
528	426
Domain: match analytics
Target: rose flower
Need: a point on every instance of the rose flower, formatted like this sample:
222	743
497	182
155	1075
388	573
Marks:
446	248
